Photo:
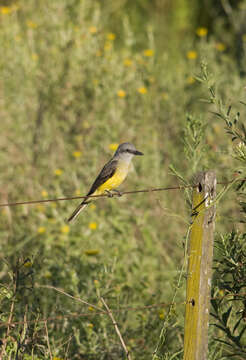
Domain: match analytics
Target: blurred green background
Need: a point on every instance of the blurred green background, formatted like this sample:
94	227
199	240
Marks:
79	77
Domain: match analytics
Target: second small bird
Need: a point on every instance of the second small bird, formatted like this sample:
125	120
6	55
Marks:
111	175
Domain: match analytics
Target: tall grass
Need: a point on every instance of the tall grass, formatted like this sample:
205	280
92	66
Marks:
71	89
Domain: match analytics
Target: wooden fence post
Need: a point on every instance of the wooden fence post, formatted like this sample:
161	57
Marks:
200	255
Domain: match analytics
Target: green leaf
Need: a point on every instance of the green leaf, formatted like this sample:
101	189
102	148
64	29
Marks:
236	325
177	174
226	315
217	114
219	327
241	332
215	305
229	110
223	341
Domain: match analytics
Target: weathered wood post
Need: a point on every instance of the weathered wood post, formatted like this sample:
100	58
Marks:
200	255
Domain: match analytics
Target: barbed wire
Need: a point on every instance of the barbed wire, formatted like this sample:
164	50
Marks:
94	196
111	195
92	313
102	312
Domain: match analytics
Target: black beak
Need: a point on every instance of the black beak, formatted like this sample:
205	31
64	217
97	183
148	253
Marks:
136	152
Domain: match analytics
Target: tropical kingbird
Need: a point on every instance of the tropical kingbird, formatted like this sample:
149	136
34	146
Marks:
111	175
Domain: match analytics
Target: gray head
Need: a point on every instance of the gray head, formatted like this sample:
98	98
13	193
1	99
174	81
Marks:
127	149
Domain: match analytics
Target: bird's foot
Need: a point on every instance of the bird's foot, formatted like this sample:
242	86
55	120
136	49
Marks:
117	192
110	195
113	193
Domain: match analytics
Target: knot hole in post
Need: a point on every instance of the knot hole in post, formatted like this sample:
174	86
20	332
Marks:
200	187
192	302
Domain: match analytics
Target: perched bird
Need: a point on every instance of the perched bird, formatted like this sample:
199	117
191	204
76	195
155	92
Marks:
111	175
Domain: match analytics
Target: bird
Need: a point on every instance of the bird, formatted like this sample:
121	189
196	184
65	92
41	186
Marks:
111	176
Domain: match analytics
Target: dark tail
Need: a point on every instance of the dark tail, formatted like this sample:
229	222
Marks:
77	211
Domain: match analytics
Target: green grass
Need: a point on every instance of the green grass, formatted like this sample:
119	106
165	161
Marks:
60	76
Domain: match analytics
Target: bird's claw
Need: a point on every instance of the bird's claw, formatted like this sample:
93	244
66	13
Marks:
119	193
109	194
115	192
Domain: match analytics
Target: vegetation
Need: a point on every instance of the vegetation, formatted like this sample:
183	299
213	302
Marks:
77	78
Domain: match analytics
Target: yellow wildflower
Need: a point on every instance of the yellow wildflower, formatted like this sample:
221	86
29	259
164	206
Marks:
41	230
191	80
201	31
113	146
90	325
107	46
47	274
111	36
58	172
90	308
65	229
34	57
220	46
142	90
96	283
222	292
91	252
162	314
93	30
40	208
86	125
93	225
121	93
77	154
27	263
165	95
5	10
148	52
31	24
44	193
192	55
128	62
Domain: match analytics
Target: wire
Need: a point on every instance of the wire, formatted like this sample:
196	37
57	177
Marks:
96	196
89	314
119	310
111	194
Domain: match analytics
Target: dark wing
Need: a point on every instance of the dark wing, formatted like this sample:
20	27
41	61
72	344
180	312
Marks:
106	173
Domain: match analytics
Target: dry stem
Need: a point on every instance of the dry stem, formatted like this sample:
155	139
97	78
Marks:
116	328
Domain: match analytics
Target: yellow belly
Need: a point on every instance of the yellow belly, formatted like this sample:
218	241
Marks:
115	181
